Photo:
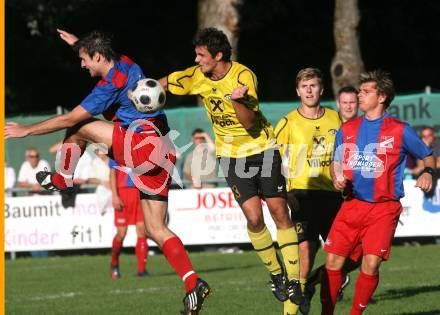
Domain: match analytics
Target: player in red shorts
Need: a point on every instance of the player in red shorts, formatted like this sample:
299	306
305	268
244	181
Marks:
136	140
369	161
126	203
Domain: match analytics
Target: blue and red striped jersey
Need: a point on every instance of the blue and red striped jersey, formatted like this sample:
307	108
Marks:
109	97
123	178
373	155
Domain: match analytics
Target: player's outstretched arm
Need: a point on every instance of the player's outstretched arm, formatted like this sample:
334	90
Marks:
245	116
78	114
424	182
69	38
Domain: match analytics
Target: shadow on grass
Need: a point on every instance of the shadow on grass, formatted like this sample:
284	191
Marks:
400	293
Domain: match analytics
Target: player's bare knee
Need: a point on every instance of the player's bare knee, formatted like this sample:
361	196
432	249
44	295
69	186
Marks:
255	224
371	264
74	131
152	229
334	262
140	230
156	230
280	216
155	235
160	236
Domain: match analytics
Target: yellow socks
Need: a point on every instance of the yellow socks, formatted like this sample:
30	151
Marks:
263	245
288	243
303	283
290	308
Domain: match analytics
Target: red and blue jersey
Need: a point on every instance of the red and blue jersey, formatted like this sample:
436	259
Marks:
373	155
109	97
123	178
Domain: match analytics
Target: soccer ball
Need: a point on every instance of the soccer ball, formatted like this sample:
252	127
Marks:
148	96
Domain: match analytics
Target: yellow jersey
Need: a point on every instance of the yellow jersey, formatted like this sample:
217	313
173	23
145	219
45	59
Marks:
231	138
306	146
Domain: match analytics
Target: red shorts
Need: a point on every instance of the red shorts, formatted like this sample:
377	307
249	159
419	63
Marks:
131	213
356	253
365	224
151	155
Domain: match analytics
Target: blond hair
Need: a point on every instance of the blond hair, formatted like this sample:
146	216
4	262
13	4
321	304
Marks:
309	73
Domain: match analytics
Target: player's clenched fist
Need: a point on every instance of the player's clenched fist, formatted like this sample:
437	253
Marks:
239	92
424	182
14	130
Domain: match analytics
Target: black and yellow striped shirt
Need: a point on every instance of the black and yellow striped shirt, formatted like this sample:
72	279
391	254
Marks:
231	138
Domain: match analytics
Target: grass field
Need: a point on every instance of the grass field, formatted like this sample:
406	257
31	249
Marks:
409	284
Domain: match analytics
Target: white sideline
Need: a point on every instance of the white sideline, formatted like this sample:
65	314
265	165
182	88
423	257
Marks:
65	295
62	295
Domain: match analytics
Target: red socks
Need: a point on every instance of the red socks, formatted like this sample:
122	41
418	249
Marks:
59	181
70	154
365	287
116	250
177	257
141	253
331	282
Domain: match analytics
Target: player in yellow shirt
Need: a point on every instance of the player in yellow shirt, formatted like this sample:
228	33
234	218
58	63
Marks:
306	136
246	148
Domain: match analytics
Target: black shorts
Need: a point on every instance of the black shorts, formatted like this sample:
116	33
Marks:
313	212
255	175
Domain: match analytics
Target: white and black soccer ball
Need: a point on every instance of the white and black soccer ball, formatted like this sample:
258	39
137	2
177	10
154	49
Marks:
148	96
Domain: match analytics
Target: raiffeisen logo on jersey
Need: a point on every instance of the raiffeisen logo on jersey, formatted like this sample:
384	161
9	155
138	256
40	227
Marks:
366	161
317	162
222	120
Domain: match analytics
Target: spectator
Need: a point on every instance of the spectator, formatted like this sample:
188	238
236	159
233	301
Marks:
411	163
26	179
347	103
200	164
428	137
9	178
29	168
